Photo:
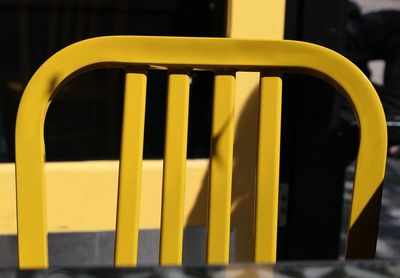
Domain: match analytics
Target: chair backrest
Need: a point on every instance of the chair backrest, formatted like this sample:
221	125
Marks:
179	56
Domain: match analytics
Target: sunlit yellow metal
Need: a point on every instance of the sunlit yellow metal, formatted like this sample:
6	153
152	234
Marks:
130	172
269	131
31	199
182	53
219	211
174	170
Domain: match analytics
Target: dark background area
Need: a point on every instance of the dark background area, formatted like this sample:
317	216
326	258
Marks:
84	121
313	144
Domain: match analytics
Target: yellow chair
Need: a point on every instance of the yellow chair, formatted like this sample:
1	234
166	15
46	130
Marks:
179	56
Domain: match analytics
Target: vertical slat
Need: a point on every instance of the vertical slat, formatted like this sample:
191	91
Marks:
221	170
130	169
268	169
174	170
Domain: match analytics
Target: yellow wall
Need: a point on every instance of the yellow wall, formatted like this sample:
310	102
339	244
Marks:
256	19
81	196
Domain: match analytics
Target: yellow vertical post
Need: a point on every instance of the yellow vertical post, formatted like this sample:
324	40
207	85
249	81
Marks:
130	170
30	180
253	19
269	132
221	170
174	170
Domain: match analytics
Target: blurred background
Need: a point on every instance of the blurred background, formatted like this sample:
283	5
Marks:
84	121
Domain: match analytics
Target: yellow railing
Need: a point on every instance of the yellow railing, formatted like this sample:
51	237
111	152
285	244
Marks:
178	55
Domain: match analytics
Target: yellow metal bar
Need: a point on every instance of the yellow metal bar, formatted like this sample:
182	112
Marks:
221	170
130	173
266	212
174	170
31	191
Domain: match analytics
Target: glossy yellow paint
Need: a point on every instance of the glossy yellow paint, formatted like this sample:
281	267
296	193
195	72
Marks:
219	210
31	200
171	240
182	53
269	131
130	172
